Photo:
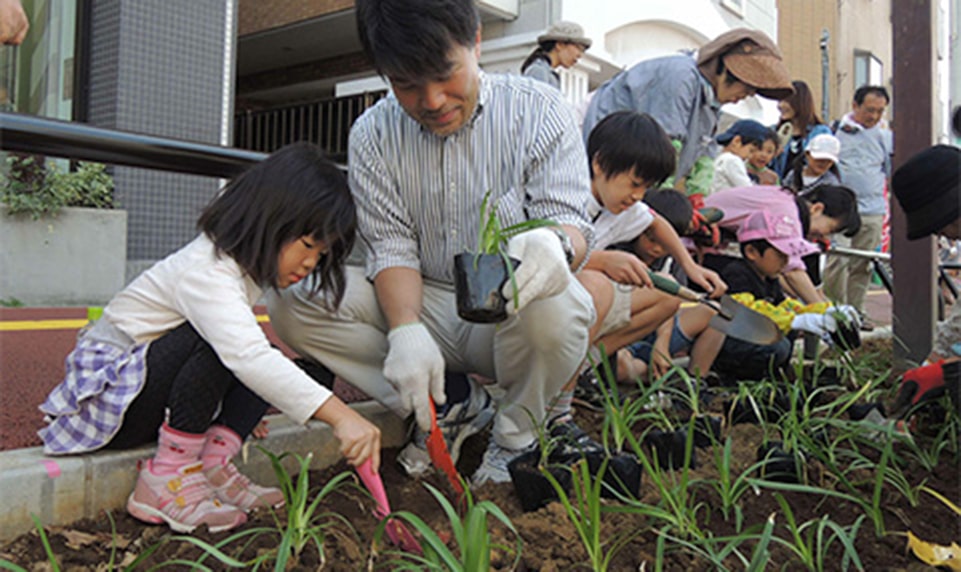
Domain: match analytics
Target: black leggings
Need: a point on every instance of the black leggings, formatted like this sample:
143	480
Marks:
185	376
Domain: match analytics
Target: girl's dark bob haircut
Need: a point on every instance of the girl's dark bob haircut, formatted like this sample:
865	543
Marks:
295	192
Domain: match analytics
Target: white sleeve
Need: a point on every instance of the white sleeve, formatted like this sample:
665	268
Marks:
214	300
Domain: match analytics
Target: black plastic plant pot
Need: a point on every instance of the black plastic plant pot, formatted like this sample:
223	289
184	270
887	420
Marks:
847	336
532	488
622	476
669	447
707	430
859	411
779	465
478	280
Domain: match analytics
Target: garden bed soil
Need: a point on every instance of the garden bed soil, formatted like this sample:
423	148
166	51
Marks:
550	541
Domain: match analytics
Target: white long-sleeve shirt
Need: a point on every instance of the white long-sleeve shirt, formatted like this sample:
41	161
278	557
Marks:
217	297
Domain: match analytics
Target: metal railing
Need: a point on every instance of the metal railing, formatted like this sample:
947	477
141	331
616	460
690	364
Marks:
326	123
55	138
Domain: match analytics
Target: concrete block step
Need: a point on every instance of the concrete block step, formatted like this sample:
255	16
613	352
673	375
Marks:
60	490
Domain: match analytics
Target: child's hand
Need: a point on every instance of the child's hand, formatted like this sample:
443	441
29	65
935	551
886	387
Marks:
660	362
261	430
707	279
624	268
359	440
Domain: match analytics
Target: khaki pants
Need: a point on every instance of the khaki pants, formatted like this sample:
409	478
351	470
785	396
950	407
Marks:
846	278
531	355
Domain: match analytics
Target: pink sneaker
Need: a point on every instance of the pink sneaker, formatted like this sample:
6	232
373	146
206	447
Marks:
183	500
232	487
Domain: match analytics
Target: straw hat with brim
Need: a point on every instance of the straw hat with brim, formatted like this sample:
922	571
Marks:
565	32
928	187
752	58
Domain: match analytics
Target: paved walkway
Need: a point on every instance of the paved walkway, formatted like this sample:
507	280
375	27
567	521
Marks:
33	345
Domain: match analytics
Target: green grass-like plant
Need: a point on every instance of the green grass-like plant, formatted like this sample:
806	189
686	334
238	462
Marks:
471	538
810	541
584	508
305	523
492	237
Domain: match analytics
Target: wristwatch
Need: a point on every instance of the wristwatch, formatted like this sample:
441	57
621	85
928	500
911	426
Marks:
566	245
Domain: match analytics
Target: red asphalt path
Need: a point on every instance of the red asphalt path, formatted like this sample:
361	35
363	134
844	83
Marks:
31	361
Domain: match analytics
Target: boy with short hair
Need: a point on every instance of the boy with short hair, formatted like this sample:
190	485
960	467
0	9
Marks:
740	140
767	242
629	152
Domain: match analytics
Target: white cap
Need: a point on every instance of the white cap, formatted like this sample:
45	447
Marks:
824	146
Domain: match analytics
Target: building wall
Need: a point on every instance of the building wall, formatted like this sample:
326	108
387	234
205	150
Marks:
162	67
800	25
853	26
260	15
865	26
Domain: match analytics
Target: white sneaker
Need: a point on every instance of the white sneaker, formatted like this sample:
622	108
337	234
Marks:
457	423
493	469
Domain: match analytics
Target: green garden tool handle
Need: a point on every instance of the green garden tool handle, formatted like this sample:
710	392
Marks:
665	284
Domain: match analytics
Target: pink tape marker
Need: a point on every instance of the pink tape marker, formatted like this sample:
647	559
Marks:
53	469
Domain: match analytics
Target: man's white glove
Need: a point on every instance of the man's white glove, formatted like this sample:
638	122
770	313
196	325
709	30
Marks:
845	314
543	271
415	366
820	325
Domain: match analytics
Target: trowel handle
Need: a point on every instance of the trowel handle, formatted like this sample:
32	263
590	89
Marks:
665	284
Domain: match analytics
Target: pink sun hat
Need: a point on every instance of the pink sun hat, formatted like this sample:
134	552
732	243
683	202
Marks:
782	231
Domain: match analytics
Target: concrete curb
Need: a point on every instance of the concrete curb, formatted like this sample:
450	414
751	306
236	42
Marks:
60	490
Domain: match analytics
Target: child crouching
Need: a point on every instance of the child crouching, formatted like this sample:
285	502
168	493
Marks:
181	342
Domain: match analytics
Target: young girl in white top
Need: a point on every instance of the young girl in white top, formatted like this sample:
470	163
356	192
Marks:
817	166
179	350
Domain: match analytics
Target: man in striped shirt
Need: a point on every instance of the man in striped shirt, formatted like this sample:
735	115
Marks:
421	162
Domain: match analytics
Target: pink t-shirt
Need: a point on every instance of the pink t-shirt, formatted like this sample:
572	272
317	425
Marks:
739	202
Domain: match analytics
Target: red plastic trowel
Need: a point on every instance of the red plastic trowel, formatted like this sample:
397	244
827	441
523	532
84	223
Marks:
440	456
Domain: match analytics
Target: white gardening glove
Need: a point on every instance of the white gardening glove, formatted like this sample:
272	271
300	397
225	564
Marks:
820	325
848	315
543	271
415	366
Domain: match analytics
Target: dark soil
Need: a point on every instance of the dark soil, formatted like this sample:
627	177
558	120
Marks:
550	541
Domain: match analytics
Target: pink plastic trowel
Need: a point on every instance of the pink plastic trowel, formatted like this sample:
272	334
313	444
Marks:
398	534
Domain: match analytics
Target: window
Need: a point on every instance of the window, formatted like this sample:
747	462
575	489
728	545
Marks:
868	70
37	76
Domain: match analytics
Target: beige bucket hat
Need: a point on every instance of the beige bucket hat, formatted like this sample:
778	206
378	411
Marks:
565	32
753	58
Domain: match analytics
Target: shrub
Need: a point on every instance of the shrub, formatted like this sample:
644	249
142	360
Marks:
37	189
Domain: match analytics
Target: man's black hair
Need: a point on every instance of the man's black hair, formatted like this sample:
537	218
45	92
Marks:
866	90
295	192
839	203
673	206
627	141
411	39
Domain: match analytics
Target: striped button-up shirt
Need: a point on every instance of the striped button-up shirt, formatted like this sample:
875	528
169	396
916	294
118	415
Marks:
419	195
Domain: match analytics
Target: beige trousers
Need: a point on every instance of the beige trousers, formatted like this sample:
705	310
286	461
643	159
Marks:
846	278
531	355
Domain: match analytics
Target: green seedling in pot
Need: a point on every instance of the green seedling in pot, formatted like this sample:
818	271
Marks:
492	238
480	275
